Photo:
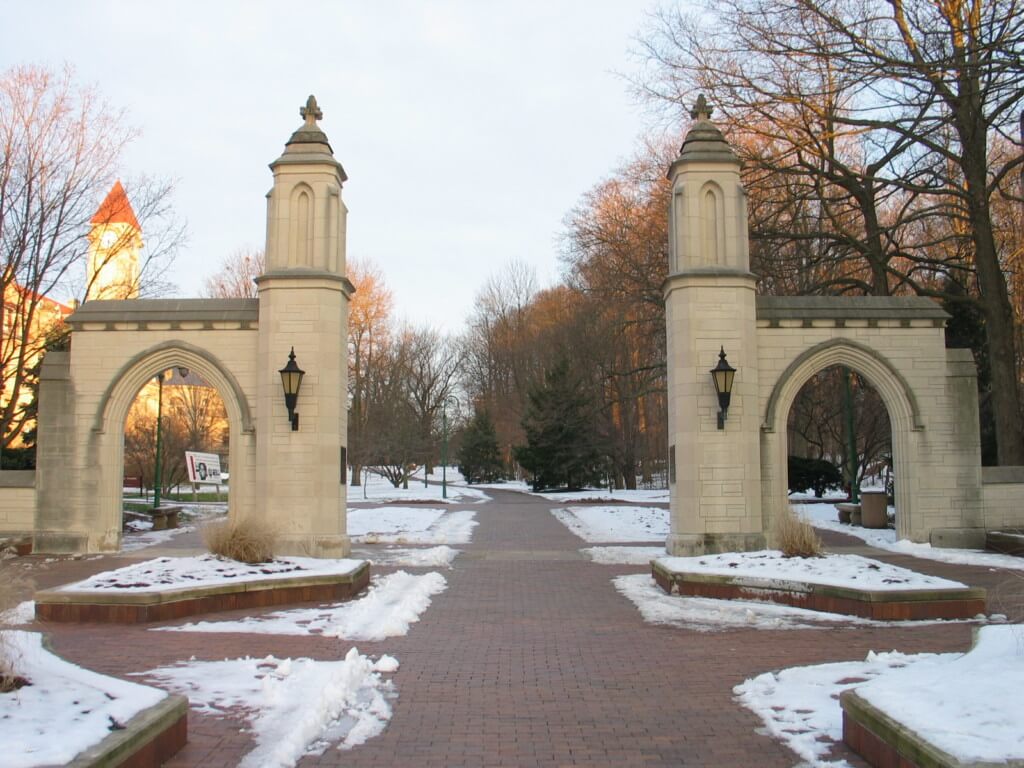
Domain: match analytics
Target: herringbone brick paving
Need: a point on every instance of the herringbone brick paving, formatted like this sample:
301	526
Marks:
531	658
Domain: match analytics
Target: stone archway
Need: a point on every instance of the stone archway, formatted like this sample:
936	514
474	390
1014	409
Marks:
892	388
107	429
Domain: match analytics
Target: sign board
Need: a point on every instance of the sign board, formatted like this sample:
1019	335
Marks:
203	467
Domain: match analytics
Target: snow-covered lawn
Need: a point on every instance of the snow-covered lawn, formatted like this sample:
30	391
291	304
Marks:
410	525
294	707
83	705
599	524
624	555
391	605
826	517
141	534
851	571
380	490
440	556
702	614
961	703
165	573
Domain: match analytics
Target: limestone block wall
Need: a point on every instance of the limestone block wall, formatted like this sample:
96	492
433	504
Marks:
1003	494
17	502
898	345
117	346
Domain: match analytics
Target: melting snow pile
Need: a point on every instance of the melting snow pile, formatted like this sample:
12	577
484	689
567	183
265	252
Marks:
165	573
294	707
613	524
850	571
82	706
624	555
431	557
391	605
410	525
22	613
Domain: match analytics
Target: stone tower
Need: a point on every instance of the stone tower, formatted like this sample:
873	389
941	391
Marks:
115	240
303	305
714	474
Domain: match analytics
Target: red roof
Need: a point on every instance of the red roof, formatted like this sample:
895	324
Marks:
116	209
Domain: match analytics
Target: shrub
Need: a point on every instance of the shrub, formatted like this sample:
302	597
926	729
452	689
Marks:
817	474
796	537
248	540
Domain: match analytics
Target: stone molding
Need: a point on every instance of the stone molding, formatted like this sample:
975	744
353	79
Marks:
135	314
774	309
17	478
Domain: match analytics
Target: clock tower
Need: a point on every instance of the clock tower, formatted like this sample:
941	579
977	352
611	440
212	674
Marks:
115	240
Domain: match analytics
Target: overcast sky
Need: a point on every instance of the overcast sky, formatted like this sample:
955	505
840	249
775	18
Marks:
468	129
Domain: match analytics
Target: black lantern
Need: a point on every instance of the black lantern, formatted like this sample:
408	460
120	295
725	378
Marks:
723	375
291	380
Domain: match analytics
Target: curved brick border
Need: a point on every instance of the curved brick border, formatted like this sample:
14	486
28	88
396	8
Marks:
889	605
150	738
137	607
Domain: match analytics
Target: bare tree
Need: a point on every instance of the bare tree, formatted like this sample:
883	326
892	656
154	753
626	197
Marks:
61	147
889	107
236	278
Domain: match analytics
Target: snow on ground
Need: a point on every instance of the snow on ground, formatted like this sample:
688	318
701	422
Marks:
826	517
294	707
410	525
391	605
141	534
706	615
165	573
380	490
83	705
623	555
599	524
963	706
851	571
430	557
641	495
22	613
800	705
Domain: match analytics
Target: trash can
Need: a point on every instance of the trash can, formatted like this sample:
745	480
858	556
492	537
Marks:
874	509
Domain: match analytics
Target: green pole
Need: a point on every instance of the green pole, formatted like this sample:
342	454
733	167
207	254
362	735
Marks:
157	474
444	450
851	438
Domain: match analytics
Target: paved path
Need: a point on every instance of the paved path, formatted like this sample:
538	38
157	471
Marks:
531	658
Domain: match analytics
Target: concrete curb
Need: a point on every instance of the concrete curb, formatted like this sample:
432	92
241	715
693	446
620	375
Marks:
150	738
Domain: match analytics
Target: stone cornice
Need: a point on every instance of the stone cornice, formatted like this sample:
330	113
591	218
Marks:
175	313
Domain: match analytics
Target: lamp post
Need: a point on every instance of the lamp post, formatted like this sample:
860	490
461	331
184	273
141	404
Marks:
444	444
158	470
291	380
723	375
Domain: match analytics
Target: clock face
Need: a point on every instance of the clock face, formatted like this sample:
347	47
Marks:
108	239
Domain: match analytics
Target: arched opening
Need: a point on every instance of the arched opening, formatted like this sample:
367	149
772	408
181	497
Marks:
189	416
839	445
900	405
107	440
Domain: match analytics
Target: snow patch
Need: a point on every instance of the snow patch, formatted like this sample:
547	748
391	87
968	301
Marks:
431	557
410	525
22	613
295	707
392	604
623	555
599	524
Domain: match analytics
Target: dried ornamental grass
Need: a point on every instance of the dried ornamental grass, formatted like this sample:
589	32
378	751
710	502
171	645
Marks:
248	540
796	537
11	592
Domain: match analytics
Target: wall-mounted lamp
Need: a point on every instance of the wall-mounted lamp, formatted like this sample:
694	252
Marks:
723	375
291	380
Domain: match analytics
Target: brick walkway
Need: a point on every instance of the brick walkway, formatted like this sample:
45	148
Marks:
531	658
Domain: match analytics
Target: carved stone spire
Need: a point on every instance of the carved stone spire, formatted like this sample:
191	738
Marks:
311	112
700	111
704	142
309	132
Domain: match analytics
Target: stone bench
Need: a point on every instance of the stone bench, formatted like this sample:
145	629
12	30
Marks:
165	516
848	513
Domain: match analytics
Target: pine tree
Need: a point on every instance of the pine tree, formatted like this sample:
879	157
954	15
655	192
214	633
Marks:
563	448
479	456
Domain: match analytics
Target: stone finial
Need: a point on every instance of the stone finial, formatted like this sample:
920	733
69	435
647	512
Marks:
701	110
311	112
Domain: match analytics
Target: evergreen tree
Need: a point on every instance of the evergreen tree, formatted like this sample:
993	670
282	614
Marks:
479	456
563	448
